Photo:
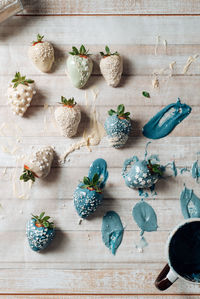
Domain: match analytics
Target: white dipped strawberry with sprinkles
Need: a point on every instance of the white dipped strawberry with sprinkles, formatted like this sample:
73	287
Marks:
40	232
42	54
118	126
79	66
38	164
20	93
111	66
68	117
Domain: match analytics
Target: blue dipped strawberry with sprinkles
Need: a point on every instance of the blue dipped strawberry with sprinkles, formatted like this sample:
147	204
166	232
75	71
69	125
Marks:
40	232
118	126
88	194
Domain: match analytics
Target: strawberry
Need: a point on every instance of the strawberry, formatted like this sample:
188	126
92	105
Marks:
68	117
79	66
111	66
20	93
40	232
88	194
39	164
143	174
118	126
42	54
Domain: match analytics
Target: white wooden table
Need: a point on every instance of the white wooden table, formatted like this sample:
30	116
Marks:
78	263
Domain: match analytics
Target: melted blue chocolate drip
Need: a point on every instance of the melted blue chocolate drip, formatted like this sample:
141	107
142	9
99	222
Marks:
112	231
99	166
196	170
145	217
166	120
86	201
190	204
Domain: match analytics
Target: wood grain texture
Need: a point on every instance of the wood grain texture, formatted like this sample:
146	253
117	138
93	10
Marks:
91	281
78	262
116	7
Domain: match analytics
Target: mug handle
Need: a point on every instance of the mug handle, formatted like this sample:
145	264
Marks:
165	279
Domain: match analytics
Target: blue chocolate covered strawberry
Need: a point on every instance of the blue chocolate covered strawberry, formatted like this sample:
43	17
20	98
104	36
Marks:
118	126
88	194
40	232
142	174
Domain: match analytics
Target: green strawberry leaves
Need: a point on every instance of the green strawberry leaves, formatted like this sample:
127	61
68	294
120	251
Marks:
155	168
120	112
27	175
92	184
39	39
67	102
43	220
108	53
82	51
21	80
146	94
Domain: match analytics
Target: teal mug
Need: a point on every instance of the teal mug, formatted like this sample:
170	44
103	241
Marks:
183	254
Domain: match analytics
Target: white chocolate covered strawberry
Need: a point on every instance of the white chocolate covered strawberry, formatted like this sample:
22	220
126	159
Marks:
79	66
111	66
38	164
68	117
20	93
42	54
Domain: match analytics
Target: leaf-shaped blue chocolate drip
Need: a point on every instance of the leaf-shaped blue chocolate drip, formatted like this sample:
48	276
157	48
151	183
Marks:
190	204
145	216
112	231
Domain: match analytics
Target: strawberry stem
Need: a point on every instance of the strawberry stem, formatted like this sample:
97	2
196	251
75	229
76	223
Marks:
92	184
155	168
108	53
21	80
120	112
39	39
67	102
43	221
81	52
27	175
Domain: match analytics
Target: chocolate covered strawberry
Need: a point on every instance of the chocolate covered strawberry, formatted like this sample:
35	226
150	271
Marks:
42	54
40	232
68	117
79	66
118	126
38	165
142	174
20	93
88	194
111	66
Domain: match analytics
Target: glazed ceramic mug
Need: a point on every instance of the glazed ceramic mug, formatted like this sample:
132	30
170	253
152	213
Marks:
183	253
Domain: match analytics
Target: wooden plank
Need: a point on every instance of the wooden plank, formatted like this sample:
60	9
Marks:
135	281
129	92
184	157
61	209
139	60
82	250
111	7
126	31
80	296
43	122
62	182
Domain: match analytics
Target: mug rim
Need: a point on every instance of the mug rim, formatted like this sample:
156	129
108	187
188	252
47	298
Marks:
172	233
